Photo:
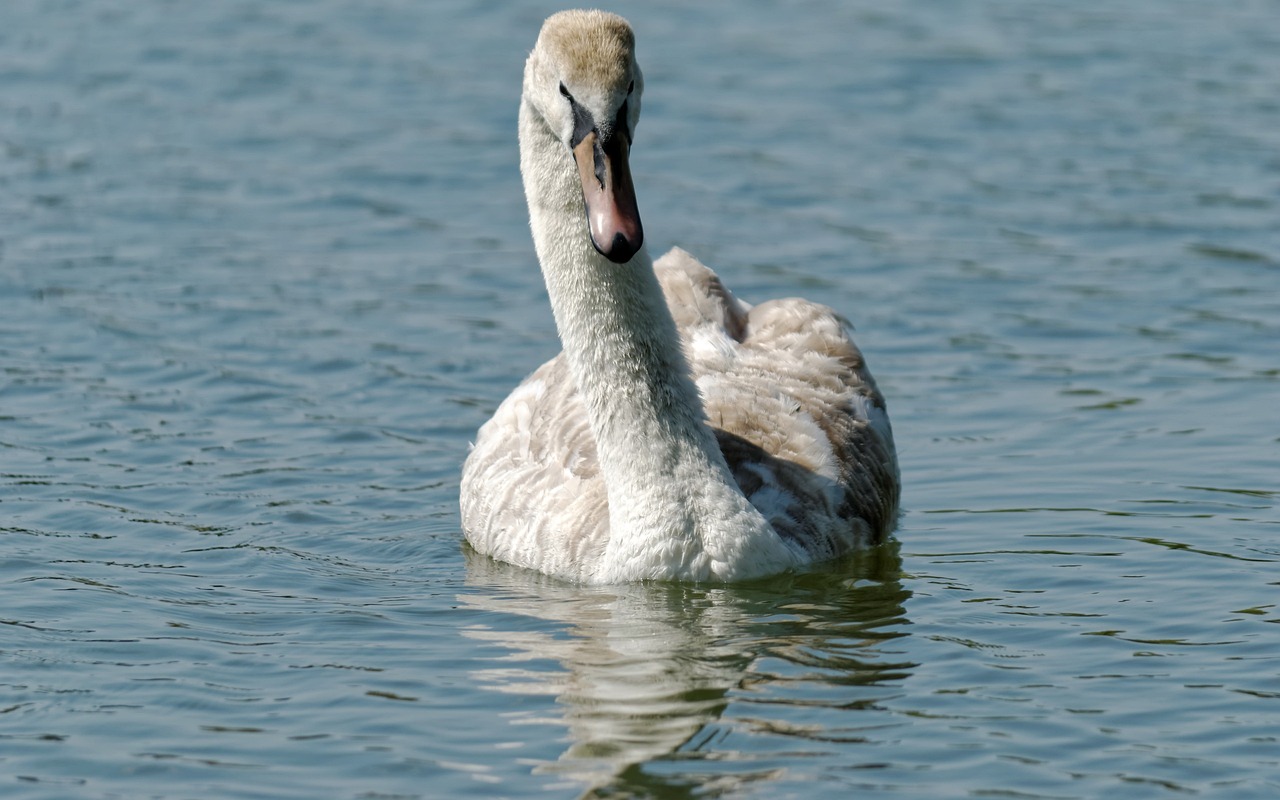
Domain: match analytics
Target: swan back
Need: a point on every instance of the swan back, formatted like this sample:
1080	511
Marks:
795	410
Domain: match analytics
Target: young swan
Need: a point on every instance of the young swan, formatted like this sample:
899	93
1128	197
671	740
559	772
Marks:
681	434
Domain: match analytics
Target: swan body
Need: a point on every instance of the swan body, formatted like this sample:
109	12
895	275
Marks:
681	434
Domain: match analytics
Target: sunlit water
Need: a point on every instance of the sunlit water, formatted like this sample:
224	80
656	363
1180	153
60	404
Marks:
266	268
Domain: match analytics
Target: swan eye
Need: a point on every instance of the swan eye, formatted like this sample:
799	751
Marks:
565	91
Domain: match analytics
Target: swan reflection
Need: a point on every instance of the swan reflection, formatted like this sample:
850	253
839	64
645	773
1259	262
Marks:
643	674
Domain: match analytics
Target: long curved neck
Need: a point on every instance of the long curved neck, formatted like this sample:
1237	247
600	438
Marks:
674	508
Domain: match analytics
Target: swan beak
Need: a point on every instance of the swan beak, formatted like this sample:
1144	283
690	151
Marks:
610	197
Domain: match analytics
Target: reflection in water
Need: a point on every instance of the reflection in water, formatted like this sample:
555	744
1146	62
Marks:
645	673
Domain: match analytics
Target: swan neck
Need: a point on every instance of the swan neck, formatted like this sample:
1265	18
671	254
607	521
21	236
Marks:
669	488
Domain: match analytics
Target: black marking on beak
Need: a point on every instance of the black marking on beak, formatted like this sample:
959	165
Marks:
613	221
582	121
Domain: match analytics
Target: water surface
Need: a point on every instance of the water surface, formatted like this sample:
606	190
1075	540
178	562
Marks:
266	267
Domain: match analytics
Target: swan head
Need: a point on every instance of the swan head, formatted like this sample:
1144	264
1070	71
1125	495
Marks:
583	80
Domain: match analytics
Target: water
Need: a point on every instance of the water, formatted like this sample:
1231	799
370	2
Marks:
265	269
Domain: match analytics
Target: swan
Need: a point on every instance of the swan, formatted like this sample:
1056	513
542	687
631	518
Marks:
681	434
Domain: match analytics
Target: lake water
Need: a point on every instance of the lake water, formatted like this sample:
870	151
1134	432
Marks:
265	268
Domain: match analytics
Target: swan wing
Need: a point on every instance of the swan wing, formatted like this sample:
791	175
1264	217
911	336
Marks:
532	493
796	411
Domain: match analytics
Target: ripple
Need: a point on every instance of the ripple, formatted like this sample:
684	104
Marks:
267	268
